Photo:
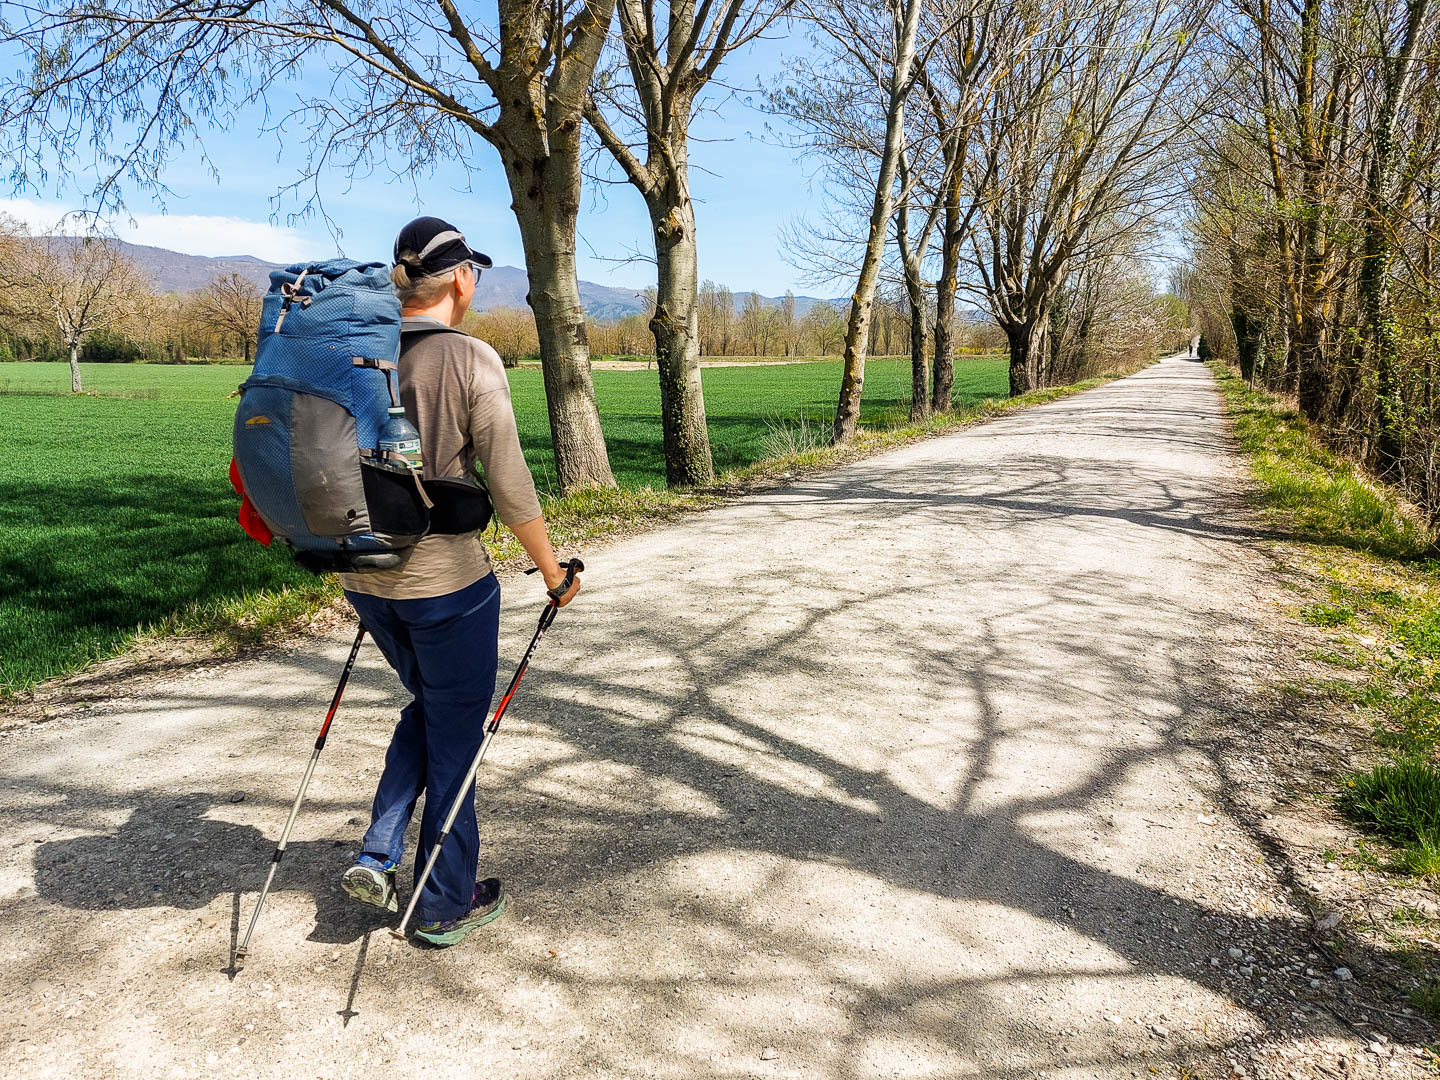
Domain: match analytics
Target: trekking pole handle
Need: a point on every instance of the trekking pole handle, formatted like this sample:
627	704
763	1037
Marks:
571	568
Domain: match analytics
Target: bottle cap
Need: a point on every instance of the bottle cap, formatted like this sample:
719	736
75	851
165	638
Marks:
397	410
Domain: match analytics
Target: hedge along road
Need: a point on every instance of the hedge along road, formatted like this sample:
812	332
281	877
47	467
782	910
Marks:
886	773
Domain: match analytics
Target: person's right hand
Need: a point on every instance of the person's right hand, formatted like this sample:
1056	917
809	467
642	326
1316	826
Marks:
558	581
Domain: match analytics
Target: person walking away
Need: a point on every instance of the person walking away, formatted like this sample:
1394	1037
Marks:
436	617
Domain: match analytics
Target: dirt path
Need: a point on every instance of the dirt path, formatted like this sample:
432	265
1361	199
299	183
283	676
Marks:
896	772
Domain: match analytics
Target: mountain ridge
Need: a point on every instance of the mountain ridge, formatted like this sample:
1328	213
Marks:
500	286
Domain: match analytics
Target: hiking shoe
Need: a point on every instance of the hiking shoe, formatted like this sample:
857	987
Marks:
486	905
372	881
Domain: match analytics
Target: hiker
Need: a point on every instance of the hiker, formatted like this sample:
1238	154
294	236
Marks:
436	617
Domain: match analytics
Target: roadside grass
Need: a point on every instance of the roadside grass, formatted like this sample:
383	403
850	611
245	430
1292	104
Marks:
1426	999
117	522
744	405
1378	563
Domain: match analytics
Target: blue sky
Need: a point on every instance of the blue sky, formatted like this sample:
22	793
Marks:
747	186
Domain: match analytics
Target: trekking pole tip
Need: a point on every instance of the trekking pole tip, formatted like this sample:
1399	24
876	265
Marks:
395	932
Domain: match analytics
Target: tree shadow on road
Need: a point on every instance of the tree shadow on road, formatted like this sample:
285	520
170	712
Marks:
951	773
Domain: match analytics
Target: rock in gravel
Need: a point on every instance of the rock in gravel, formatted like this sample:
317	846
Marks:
1236	954
1159	1032
1343	974
237	796
769	1054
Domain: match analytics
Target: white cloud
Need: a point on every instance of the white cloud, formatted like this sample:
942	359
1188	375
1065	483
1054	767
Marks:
190	234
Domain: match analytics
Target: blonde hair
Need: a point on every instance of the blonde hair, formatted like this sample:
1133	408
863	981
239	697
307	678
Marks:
413	286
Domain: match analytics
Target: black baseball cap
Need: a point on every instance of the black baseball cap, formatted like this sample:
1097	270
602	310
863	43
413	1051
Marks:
439	244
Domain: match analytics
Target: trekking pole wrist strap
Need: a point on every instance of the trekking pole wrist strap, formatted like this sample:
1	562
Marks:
571	568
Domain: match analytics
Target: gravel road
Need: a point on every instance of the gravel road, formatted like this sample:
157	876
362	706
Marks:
894	772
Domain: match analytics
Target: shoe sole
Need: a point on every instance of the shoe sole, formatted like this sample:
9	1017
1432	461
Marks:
457	935
369	887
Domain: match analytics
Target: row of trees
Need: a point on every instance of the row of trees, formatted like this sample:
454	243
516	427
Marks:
1029	143
1034	145
72	298
760	329
67	296
1314	221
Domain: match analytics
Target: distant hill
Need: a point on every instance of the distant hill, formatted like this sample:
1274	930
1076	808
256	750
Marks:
500	286
170	271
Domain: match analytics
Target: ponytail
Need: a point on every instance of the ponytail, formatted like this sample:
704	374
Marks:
413	286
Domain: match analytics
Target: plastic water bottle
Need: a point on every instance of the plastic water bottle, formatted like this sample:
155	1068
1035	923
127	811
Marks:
399	436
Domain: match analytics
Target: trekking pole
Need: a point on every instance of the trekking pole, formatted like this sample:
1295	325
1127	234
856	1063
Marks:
572	567
244	948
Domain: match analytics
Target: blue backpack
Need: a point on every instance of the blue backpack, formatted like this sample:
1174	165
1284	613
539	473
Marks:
308	425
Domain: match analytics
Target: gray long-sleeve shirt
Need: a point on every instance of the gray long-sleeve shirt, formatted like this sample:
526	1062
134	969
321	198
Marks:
455	392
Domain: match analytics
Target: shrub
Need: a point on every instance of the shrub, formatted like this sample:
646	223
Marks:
112	347
1400	801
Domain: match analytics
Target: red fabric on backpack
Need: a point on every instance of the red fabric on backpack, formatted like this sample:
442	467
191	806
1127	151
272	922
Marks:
250	519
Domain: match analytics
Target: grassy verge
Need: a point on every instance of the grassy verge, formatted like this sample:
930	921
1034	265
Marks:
1381	604
118	526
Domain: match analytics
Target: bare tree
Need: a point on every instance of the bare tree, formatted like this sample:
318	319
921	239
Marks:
881	41
1314	220
725	314
230	306
75	285
672	51
967	60
929	173
752	320
1398	61
420	80
1076	144
510	331
827	325
787	325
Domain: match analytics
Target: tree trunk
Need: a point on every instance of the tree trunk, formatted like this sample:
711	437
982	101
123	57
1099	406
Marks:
1309	342
943	370
75	386
676	326
1240	321
545	190
1247	342
919	361
1027	342
580	456
1310	365
852	382
1017	339
1382	332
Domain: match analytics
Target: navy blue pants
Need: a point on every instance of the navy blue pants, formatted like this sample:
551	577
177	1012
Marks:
445	650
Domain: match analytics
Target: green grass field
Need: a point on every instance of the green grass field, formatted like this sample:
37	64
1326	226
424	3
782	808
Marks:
116	513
